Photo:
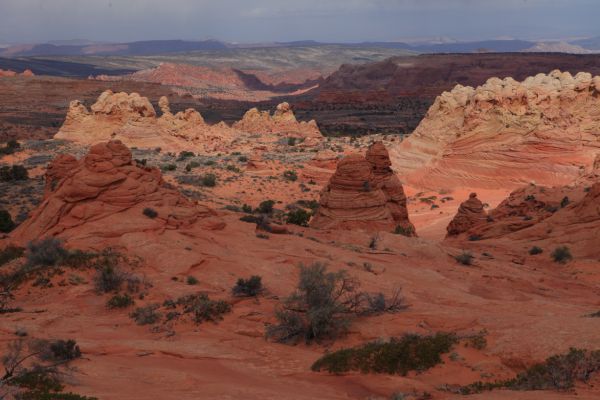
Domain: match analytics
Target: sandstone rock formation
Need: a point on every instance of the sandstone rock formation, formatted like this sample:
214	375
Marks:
508	133
132	119
364	193
283	122
469	213
101	199
57	170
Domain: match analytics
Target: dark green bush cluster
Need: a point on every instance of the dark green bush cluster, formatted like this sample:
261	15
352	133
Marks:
266	207
405	231
559	372
232	168
398	356
535	250
146	315
150	212
11	147
191	165
184	155
6	222
168	167
14	173
561	255
46	252
298	216
209	180
248	287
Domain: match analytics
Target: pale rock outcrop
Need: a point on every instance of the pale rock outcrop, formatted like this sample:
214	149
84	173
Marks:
100	199
470	213
132	119
506	133
364	193
283	123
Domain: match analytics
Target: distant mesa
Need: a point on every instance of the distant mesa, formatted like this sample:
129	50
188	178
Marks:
505	134
364	193
9	73
99	201
133	120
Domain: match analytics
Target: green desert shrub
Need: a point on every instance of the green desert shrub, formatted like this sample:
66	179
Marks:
299	216
248	287
11	147
464	258
405	231
398	356
109	279
191	280
266	207
558	372
209	180
561	255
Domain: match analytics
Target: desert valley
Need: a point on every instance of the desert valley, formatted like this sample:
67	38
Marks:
199	220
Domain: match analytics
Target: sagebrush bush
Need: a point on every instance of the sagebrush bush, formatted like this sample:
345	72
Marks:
109	279
562	255
398	356
248	287
14	173
45	252
120	301
10	253
203	308
559	372
146	315
319	309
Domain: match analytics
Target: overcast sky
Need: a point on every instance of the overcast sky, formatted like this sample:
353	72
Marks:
283	20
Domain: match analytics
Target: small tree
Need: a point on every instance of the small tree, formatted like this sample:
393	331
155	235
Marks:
299	216
320	308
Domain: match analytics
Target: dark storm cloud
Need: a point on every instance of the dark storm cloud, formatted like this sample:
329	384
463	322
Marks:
269	20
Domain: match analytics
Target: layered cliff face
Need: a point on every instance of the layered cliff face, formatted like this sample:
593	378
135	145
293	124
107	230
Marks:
505	133
100	199
132	119
364	193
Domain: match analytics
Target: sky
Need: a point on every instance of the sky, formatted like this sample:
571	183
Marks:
27	21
